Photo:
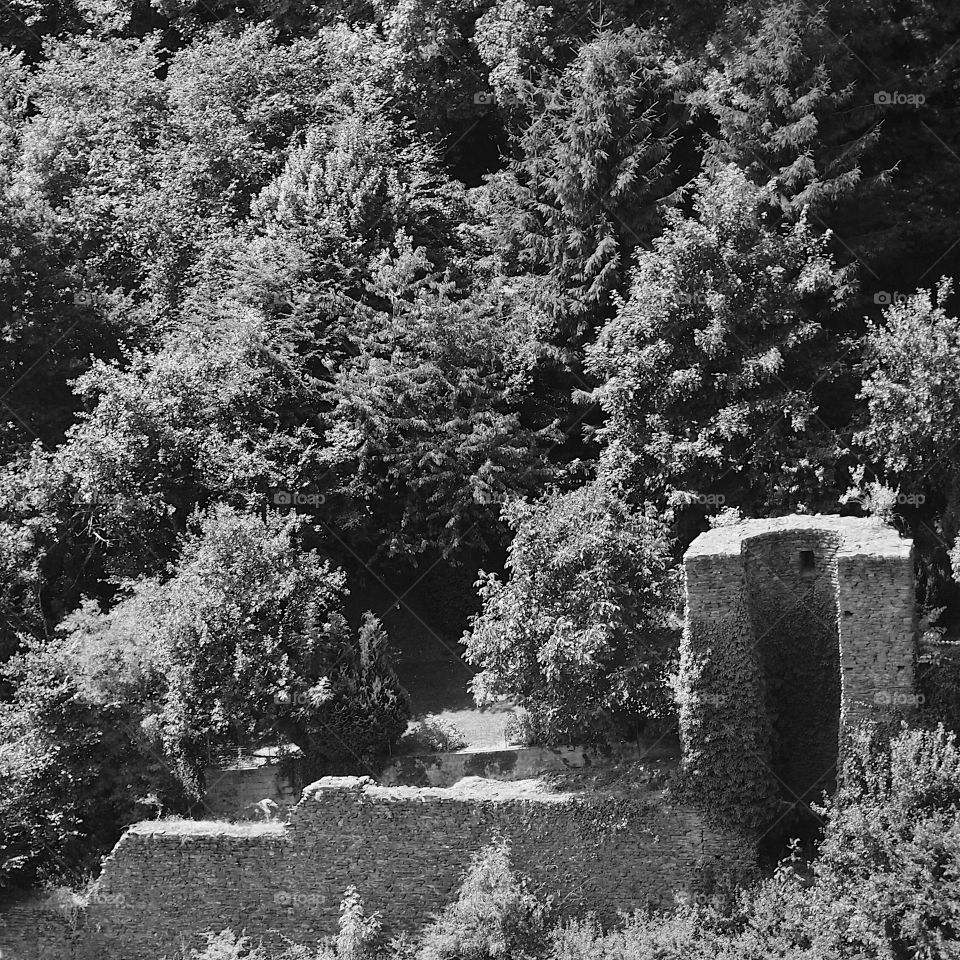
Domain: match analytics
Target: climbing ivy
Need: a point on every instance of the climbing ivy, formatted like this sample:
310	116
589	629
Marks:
723	725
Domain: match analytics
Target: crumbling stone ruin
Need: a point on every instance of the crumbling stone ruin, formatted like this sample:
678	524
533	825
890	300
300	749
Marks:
796	628
405	849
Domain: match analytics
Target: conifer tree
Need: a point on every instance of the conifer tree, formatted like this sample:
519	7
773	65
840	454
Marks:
710	368
787	111
593	164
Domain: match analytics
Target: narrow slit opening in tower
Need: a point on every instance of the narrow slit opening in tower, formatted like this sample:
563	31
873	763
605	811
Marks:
808	562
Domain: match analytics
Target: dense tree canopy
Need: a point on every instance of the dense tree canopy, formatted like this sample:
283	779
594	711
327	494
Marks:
710	366
479	281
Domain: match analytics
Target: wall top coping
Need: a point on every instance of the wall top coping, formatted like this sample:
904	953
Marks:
472	789
205	828
859	536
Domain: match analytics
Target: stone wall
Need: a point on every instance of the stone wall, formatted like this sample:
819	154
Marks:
829	611
235	793
405	849
878	626
516	763
34	930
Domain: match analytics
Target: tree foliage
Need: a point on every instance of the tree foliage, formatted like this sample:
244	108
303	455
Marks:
244	641
912	396
418	261
580	631
594	161
786	111
76	762
710	367
428	429
250	640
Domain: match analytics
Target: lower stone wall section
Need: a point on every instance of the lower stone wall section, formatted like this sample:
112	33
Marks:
34	931
405	849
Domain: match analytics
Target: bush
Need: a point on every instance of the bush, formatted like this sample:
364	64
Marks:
494	915
226	945
684	935
580	633
364	708
434	735
74	758
357	933
887	882
520	730
247	639
357	937
938	681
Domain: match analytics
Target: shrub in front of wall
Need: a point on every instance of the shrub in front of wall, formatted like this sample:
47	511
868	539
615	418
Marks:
434	735
580	631
521	730
494	916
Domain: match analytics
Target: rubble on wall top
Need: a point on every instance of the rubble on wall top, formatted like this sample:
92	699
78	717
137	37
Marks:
468	788
177	827
859	536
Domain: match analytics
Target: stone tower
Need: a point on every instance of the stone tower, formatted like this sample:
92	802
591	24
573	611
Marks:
806	623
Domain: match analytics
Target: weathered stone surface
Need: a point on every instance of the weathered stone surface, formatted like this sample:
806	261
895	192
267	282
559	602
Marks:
829	603
405	849
236	793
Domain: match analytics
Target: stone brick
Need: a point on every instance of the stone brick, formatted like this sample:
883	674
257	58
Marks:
404	848
829	603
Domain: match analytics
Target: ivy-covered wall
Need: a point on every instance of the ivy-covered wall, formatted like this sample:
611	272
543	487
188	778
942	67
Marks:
724	727
796	628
